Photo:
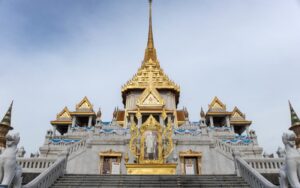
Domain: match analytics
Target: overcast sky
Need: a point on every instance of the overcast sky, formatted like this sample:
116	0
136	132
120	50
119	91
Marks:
53	53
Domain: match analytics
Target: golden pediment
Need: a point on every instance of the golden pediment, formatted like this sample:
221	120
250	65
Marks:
150	98
84	104
216	105
237	114
64	114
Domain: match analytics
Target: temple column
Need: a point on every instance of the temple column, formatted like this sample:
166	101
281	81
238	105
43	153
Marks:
227	121
90	121
69	128
74	121
247	130
139	122
54	130
169	118
161	120
131	119
211	120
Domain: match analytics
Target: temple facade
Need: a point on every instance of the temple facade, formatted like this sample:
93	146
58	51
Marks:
150	135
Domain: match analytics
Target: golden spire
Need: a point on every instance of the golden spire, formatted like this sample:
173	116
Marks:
150	52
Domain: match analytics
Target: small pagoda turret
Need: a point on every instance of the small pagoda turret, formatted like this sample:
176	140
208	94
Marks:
84	115
217	115
238	121
63	121
295	125
5	126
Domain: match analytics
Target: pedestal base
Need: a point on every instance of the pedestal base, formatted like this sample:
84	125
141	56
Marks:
151	169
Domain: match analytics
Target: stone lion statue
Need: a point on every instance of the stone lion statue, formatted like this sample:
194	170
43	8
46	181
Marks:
290	171
10	172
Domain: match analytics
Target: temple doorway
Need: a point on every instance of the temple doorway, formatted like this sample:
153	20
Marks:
190	162
110	162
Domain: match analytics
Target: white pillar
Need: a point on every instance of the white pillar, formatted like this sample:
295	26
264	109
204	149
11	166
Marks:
54	130
139	122
211	120
247	130
90	121
69	128
131	119
169	118
161	120
227	121
74	121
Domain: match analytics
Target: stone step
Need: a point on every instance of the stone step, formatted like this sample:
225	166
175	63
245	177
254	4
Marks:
151	186
132	181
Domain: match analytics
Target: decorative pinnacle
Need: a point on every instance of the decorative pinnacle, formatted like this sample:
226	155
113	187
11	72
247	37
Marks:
6	121
99	113
202	114
294	118
150	52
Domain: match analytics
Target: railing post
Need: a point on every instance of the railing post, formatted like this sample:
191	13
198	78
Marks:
236	154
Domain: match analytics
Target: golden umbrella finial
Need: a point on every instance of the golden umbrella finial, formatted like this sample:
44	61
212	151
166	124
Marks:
150	50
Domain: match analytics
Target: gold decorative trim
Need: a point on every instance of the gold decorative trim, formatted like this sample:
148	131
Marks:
151	169
110	153
134	132
190	153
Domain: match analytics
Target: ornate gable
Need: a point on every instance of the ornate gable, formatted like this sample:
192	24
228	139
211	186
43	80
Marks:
217	105
64	114
150	98
85	104
63	118
237	114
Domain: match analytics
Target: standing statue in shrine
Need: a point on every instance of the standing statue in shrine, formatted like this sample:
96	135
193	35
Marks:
150	145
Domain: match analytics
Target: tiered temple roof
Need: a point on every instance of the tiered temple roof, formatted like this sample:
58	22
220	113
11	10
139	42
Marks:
150	70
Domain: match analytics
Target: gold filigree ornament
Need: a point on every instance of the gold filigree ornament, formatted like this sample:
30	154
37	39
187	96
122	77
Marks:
168	145
134	132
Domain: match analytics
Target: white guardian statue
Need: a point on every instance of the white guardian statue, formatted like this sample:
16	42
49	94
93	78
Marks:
10	171
290	171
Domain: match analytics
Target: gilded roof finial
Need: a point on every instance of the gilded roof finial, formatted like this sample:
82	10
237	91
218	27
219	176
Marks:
150	52
294	118
6	121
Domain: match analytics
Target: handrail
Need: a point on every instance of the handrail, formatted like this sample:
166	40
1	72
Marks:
251	176
50	175
226	149
265	165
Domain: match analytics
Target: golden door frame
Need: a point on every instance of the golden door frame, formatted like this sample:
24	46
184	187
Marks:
190	153
109	153
151	125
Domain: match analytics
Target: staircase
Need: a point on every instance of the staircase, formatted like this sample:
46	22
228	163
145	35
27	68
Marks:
93	181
